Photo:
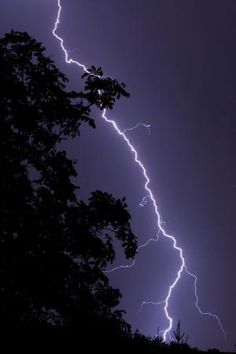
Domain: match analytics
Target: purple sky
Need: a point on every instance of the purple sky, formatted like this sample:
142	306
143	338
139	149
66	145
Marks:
178	61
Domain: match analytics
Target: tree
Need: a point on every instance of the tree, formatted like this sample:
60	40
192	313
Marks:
158	340
179	336
54	247
180	340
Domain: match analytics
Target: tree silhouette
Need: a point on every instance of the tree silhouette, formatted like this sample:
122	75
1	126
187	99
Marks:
179	336
180	340
54	247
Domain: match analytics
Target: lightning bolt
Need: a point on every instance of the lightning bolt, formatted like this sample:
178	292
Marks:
161	231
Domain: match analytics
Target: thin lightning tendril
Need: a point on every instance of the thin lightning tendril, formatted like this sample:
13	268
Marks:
147	126
151	303
144	201
150	195
128	266
197	302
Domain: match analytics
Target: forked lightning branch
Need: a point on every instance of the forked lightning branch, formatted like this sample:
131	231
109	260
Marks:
148	194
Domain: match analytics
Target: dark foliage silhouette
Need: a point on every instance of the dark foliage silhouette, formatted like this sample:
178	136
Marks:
179	336
180	340
54	247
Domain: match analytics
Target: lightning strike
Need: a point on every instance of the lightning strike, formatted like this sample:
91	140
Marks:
161	230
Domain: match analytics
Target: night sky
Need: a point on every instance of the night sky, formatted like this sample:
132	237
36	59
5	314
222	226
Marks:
178	59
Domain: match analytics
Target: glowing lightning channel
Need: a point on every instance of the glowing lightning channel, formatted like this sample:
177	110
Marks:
161	230
67	59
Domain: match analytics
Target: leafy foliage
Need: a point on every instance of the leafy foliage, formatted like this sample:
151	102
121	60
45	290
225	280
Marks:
102	90
179	336
54	247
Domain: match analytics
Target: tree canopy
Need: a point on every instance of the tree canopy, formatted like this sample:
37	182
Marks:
54	246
